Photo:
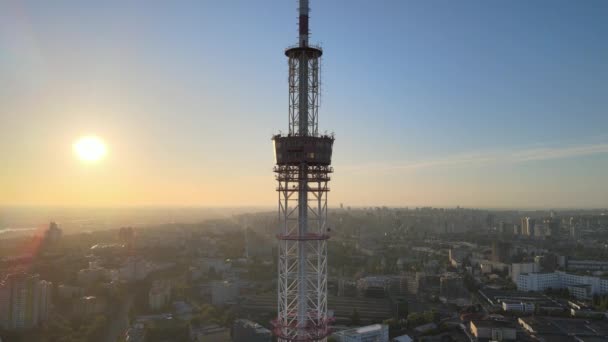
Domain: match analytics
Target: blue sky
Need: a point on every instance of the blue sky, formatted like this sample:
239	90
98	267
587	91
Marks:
473	103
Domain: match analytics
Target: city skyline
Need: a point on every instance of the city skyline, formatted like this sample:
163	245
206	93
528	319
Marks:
474	104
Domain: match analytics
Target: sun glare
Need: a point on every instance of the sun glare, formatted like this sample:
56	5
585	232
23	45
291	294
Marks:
90	149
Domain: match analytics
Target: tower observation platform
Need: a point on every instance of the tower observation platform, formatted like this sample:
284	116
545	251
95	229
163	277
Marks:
293	150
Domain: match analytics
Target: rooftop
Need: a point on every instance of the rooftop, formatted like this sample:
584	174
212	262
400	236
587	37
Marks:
488	323
369	328
566	326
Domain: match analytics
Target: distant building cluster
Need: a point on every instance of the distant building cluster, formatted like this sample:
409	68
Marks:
533	228
537	278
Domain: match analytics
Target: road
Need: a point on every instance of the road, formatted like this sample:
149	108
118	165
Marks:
120	321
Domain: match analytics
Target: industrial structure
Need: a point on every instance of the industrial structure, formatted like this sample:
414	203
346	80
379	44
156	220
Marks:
303	159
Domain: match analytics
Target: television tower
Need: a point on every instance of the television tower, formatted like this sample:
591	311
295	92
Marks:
303	159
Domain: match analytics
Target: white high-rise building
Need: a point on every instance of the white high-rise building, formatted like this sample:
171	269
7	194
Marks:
527	226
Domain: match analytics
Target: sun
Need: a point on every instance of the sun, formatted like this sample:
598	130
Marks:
90	149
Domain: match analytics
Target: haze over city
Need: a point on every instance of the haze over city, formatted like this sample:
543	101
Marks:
470	103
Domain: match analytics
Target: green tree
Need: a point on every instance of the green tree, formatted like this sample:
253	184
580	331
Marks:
419	318
228	318
414	319
392	323
431	316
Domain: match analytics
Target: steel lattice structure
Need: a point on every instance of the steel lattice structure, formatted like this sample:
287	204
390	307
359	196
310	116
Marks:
303	159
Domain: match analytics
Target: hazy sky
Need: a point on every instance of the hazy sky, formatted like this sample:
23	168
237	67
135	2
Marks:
471	103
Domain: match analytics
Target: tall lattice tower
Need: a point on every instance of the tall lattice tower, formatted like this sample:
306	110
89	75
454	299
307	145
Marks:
303	159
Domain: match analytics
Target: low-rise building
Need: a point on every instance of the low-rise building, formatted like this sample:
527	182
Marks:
244	330
402	338
68	291
586	265
559	280
493	330
452	289
518	306
457	255
183	310
213	265
134	269
90	276
580	291
370	333
514	299
224	292
581	310
136	333
208	333
89	306
374	286
411	282
560	329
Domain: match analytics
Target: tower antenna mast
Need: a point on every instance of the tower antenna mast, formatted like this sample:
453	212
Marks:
303	169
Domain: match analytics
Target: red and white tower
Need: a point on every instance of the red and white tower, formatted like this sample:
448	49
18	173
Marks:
303	159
